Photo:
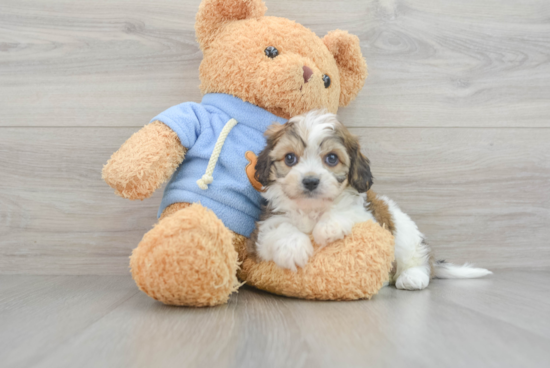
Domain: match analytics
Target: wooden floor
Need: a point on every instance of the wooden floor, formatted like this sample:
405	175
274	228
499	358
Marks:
104	321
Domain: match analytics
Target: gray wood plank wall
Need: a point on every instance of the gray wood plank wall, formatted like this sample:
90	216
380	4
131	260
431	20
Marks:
454	117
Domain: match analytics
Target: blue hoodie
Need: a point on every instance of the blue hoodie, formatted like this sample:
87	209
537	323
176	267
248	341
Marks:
198	126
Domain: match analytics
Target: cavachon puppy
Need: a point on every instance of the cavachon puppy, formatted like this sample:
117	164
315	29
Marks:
316	182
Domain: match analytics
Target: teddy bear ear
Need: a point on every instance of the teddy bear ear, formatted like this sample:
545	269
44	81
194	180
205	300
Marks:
351	65
214	14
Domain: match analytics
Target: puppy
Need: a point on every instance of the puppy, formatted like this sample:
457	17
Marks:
316	182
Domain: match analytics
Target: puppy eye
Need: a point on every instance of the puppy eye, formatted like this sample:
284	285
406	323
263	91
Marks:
271	52
326	79
331	159
290	159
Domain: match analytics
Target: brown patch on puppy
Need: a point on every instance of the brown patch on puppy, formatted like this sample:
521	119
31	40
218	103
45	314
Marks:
359	176
281	139
335	144
264	163
380	211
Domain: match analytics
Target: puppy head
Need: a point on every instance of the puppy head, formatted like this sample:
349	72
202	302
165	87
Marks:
312	157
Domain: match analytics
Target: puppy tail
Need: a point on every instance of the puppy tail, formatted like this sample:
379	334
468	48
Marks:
444	270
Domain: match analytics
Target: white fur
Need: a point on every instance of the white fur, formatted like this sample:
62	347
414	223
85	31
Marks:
288	251
412	255
348	209
466	271
283	238
331	214
414	278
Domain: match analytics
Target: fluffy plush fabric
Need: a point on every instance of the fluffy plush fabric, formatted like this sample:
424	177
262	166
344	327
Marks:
188	258
145	161
233	35
355	267
353	69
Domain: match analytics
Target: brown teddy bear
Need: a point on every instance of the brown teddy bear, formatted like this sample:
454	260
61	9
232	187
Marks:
256	70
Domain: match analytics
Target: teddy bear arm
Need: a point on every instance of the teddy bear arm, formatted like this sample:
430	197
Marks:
145	161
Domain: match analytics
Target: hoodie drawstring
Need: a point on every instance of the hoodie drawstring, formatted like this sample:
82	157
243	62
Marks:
207	178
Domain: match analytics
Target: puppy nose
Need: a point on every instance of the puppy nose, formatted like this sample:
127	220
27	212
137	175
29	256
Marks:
307	73
310	183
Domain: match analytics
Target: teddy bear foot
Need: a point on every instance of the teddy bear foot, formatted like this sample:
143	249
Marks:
187	259
352	268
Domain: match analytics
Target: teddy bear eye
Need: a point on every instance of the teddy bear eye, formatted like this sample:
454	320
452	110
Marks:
271	52
326	79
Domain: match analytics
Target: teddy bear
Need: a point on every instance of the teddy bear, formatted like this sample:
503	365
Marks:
256	70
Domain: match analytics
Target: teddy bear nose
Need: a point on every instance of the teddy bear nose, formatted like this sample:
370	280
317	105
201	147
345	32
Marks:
307	73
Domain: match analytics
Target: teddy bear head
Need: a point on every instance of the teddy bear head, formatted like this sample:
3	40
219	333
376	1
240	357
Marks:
273	62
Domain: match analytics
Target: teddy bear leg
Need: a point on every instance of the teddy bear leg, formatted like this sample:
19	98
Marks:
187	259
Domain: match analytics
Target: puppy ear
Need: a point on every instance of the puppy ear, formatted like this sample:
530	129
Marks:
263	167
264	162
351	65
359	176
214	14
275	131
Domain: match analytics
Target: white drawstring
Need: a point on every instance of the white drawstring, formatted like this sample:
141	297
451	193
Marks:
207	178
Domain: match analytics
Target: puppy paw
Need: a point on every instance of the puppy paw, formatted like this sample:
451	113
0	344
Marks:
416	278
325	232
292	251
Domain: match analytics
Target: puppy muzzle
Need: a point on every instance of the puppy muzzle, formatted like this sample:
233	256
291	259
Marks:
310	183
